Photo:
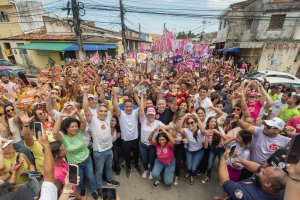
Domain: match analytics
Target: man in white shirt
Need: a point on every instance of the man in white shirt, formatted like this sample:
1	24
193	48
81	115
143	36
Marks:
278	104
99	126
128	120
201	100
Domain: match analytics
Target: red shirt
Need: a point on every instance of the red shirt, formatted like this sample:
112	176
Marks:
294	122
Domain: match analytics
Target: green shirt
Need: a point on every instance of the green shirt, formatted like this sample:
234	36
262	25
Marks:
287	113
77	150
274	97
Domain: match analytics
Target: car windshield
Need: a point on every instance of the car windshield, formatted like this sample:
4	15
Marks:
5	63
258	74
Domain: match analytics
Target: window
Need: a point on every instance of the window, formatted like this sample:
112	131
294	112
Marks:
276	22
248	23
220	25
4	17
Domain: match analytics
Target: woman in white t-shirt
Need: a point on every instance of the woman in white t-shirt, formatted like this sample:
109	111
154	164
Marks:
148	124
194	133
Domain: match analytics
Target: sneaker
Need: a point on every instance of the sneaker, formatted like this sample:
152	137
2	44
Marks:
187	175
95	195
145	174
205	180
100	193
191	180
82	193
176	180
113	183
128	173
138	169
156	183
150	176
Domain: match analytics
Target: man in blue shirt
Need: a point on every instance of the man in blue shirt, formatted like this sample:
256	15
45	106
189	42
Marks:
266	184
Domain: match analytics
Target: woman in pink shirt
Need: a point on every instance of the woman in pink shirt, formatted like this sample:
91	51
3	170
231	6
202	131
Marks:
164	147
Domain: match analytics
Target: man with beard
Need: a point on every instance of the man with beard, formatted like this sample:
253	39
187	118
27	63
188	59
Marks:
9	86
266	184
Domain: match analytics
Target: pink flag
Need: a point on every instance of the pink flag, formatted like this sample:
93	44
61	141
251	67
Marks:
95	58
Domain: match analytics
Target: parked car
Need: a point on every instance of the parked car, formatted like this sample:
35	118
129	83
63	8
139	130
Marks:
4	71
270	73
13	68
275	78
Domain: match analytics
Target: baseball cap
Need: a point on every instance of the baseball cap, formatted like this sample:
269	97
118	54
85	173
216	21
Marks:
151	111
226	76
91	96
275	122
7	142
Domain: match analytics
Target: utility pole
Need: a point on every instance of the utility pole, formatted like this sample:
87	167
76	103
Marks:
77	30
123	26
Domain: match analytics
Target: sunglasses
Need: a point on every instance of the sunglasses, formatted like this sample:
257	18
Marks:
190	123
270	127
11	110
41	113
237	109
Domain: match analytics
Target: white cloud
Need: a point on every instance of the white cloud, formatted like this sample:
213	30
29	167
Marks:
220	3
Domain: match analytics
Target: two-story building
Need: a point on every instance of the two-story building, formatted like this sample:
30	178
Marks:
266	32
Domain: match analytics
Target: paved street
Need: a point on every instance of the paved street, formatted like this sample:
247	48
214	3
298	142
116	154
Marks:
137	188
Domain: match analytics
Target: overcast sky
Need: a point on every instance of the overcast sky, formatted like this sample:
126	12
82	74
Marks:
150	23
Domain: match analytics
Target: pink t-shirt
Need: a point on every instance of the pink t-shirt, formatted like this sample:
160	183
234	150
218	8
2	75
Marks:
165	154
254	109
294	122
61	171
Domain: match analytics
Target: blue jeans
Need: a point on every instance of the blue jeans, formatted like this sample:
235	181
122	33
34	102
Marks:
169	171
86	170
20	147
193	159
147	154
212	156
103	161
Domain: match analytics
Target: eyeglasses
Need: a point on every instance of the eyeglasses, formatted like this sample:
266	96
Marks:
190	123
11	110
102	110
237	109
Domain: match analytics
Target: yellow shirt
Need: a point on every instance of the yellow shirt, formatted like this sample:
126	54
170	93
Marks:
20	179
37	151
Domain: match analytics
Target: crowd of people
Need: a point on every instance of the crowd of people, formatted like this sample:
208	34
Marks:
167	124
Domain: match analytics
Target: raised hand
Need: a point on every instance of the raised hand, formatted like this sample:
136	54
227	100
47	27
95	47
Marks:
25	119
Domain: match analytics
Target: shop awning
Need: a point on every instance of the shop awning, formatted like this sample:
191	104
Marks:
92	47
46	46
233	50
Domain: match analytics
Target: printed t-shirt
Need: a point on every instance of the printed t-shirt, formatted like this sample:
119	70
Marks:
287	113
248	189
277	105
147	128
254	109
101	133
77	151
129	125
263	146
165	154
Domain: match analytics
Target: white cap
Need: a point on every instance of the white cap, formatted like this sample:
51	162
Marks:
91	96
275	122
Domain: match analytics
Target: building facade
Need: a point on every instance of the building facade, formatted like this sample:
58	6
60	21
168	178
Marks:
265	32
